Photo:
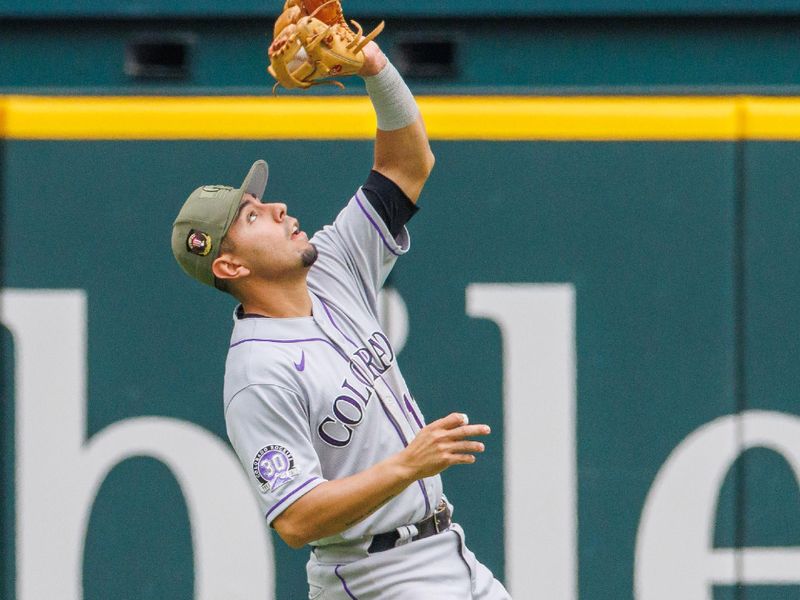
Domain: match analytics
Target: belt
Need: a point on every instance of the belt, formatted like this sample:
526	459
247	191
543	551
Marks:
439	521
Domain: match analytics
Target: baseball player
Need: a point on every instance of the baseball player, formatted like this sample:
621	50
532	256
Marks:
316	408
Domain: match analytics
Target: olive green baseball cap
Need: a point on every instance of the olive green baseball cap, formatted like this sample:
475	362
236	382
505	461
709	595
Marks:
206	217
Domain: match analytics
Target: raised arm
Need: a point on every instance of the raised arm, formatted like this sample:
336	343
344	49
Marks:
402	151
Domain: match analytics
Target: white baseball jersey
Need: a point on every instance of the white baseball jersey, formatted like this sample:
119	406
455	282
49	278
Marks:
319	398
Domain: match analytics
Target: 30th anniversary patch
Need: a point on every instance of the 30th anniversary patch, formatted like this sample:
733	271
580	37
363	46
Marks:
274	467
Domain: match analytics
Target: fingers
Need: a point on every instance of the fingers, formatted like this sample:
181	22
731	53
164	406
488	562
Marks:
469	431
456	426
444	443
462	459
452	421
457	420
467	446
463	453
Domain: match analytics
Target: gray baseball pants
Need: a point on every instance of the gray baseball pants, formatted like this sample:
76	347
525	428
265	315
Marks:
439	567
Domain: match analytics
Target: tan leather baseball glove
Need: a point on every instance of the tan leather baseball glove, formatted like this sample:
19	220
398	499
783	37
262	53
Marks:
312	43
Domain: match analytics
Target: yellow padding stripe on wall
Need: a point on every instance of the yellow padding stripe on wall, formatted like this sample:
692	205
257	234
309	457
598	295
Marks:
3	102
84	118
447	118
772	118
582	118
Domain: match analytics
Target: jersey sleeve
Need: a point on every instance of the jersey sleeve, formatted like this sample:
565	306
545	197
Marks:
360	243
268	428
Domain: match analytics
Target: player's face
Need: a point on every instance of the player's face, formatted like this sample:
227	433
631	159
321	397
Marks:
268	241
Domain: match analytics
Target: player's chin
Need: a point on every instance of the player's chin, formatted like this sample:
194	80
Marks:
309	255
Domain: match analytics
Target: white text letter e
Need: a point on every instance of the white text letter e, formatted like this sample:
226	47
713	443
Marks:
675	553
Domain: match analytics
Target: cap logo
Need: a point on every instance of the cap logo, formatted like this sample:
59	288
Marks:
198	242
209	191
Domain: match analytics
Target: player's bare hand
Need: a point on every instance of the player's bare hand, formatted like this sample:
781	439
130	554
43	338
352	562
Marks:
443	443
374	60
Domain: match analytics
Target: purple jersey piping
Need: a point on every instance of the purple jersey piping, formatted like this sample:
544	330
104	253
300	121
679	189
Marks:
333	322
392	421
410	408
385	410
405	442
331	344
374	224
396	399
344	583
289	495
424	495
343	355
461	551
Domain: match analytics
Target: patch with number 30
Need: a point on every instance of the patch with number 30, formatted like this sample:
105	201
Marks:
274	467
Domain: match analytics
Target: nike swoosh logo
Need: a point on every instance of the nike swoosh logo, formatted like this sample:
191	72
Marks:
302	364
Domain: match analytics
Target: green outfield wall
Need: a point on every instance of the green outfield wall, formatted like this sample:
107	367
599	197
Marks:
603	55
611	283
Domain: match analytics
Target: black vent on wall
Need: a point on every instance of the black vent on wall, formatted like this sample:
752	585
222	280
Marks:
426	58
158	57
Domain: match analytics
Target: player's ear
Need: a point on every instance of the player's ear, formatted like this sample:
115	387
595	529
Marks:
227	266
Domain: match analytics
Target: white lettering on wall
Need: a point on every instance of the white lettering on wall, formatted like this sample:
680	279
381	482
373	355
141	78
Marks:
675	554
59	471
537	324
